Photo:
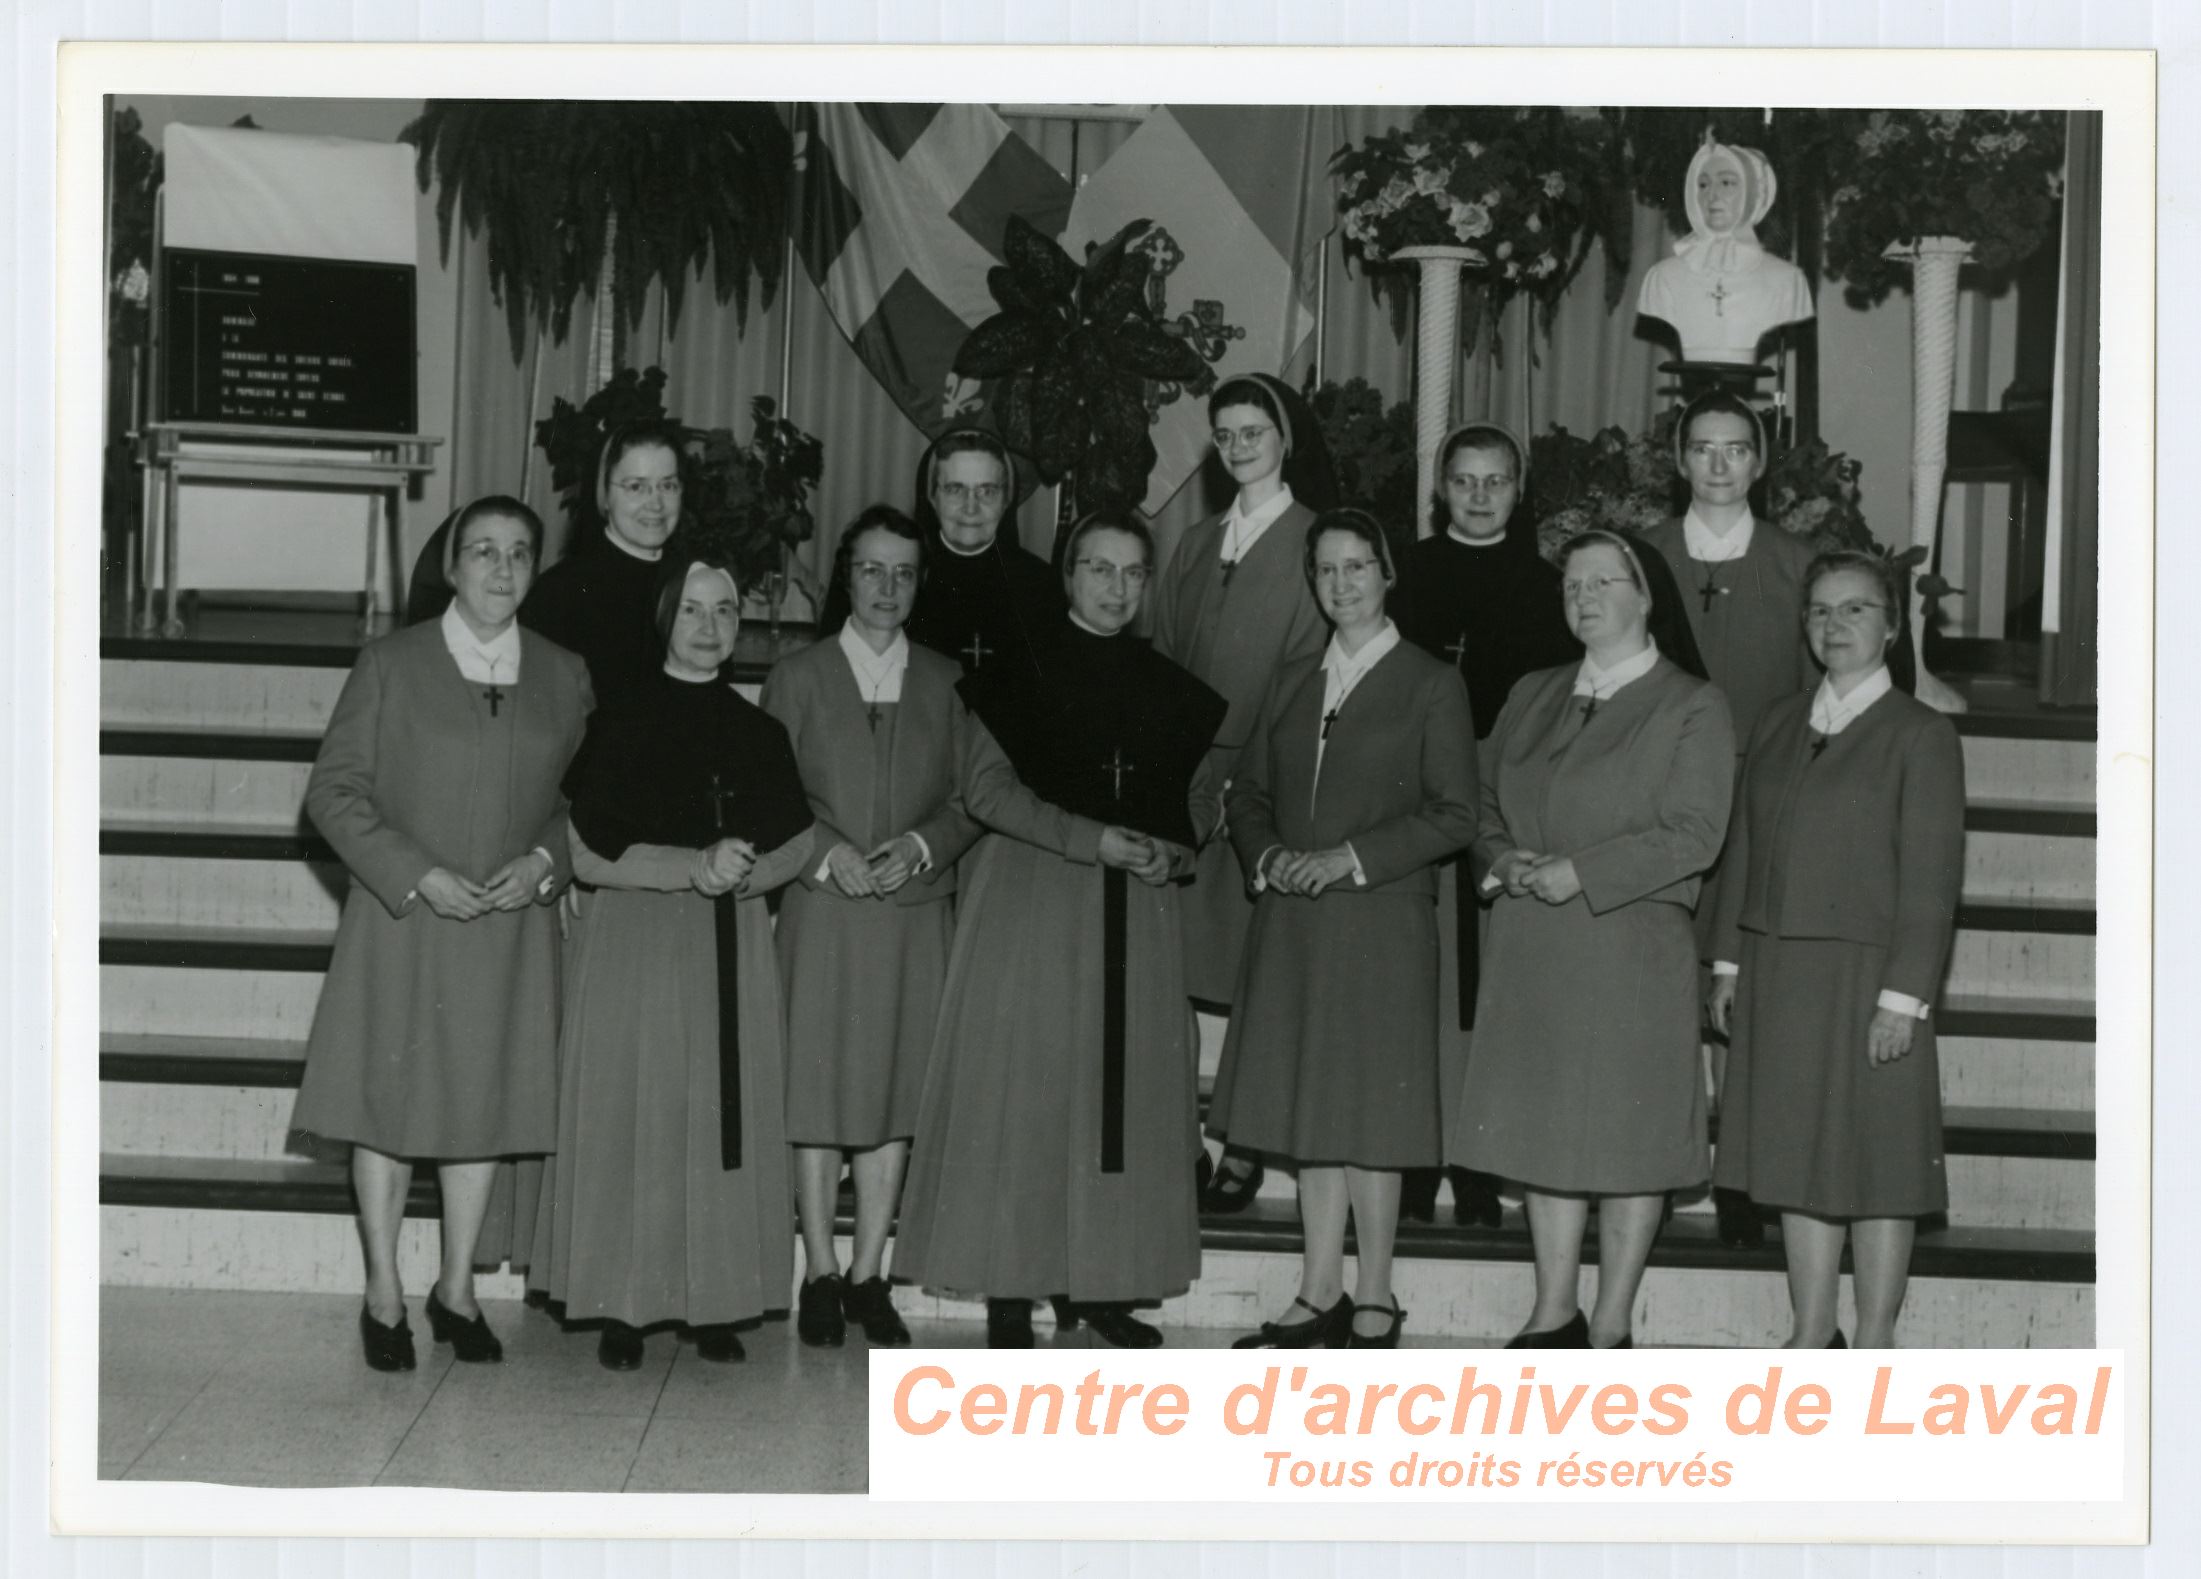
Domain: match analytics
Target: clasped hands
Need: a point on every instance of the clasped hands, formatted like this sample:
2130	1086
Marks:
1149	860
876	874
1308	872
1526	875
722	867
512	886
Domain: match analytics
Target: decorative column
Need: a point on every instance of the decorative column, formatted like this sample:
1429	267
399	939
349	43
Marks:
1437	360
1935	263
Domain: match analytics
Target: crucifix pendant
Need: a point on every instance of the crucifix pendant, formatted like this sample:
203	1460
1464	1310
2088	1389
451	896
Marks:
1115	767
871	717
1710	590
1589	708
976	651
1720	293
492	696
1458	650
1230	566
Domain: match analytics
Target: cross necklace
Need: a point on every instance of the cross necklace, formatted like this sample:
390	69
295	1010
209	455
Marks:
1115	767
492	696
1720	293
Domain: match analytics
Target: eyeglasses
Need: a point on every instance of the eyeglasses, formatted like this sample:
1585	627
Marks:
1849	613
873	574
1593	587
485	554
1244	438
1103	570
638	489
1733	451
1347	569
983	493
1497	482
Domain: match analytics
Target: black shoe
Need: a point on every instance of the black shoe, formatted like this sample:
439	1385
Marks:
1008	1323
1322	1329
1232	1190
471	1341
1066	1314
1740	1228
1573	1333
1837	1341
870	1304
1203	1173
1386	1340
387	1348
718	1342
1418	1195
1115	1324
818	1318
620	1348
1475	1201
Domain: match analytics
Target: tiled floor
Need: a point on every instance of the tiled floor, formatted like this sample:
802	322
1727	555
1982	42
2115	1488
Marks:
270	1390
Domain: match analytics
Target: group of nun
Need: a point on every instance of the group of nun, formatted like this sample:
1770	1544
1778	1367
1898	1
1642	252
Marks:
1473	850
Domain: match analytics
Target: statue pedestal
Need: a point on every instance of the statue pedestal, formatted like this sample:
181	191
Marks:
1935	263
1436	362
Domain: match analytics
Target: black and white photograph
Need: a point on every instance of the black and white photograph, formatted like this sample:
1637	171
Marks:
732	732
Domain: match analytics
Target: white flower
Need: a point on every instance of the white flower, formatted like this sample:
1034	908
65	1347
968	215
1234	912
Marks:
1491	198
1547	264
1555	184
1469	220
1354	182
1474	150
1430	182
1416	151
1534	224
136	285
1505	249
1397	192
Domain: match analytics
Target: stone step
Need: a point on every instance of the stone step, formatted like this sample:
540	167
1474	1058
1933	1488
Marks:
163	999
2037	769
286	1225
2012	962
157	890
158	695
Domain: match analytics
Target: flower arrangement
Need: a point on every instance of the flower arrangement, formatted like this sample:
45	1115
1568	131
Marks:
1371	447
1525	192
750	499
137	171
1990	177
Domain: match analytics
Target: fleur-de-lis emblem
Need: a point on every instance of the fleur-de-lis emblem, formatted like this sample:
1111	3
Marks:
959	397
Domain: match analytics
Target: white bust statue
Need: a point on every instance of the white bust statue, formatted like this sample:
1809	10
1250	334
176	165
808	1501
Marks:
1721	289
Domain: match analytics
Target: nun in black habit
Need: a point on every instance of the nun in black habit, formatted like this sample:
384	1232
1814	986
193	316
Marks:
1054	1146
1478	594
671	1199
986	598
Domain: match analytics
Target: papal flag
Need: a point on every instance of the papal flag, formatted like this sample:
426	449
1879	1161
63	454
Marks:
899	213
1244	192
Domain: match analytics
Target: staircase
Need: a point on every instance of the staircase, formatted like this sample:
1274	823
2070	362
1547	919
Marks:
218	904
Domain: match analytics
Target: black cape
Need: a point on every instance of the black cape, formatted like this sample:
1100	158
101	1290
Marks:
1091	705
669	762
1494	613
984	610
601	603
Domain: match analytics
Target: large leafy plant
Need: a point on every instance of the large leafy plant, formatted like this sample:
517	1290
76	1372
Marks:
1990	177
1073	349
750	501
609	197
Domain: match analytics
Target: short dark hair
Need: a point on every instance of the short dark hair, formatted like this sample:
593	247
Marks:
1356	522
1883	571
875	518
1103	521
489	504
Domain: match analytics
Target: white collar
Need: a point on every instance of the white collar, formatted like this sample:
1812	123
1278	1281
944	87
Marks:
1345	670
1241	530
649	556
1831	714
1717	547
1464	541
970	553
1590	680
492	662
878	674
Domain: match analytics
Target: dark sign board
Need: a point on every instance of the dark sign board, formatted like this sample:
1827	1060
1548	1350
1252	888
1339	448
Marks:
287	342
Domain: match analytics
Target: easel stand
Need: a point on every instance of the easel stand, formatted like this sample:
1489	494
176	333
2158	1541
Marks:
391	465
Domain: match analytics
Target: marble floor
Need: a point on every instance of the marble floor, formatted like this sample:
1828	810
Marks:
270	1390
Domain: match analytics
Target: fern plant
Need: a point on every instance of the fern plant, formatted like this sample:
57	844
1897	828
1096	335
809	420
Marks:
609	197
